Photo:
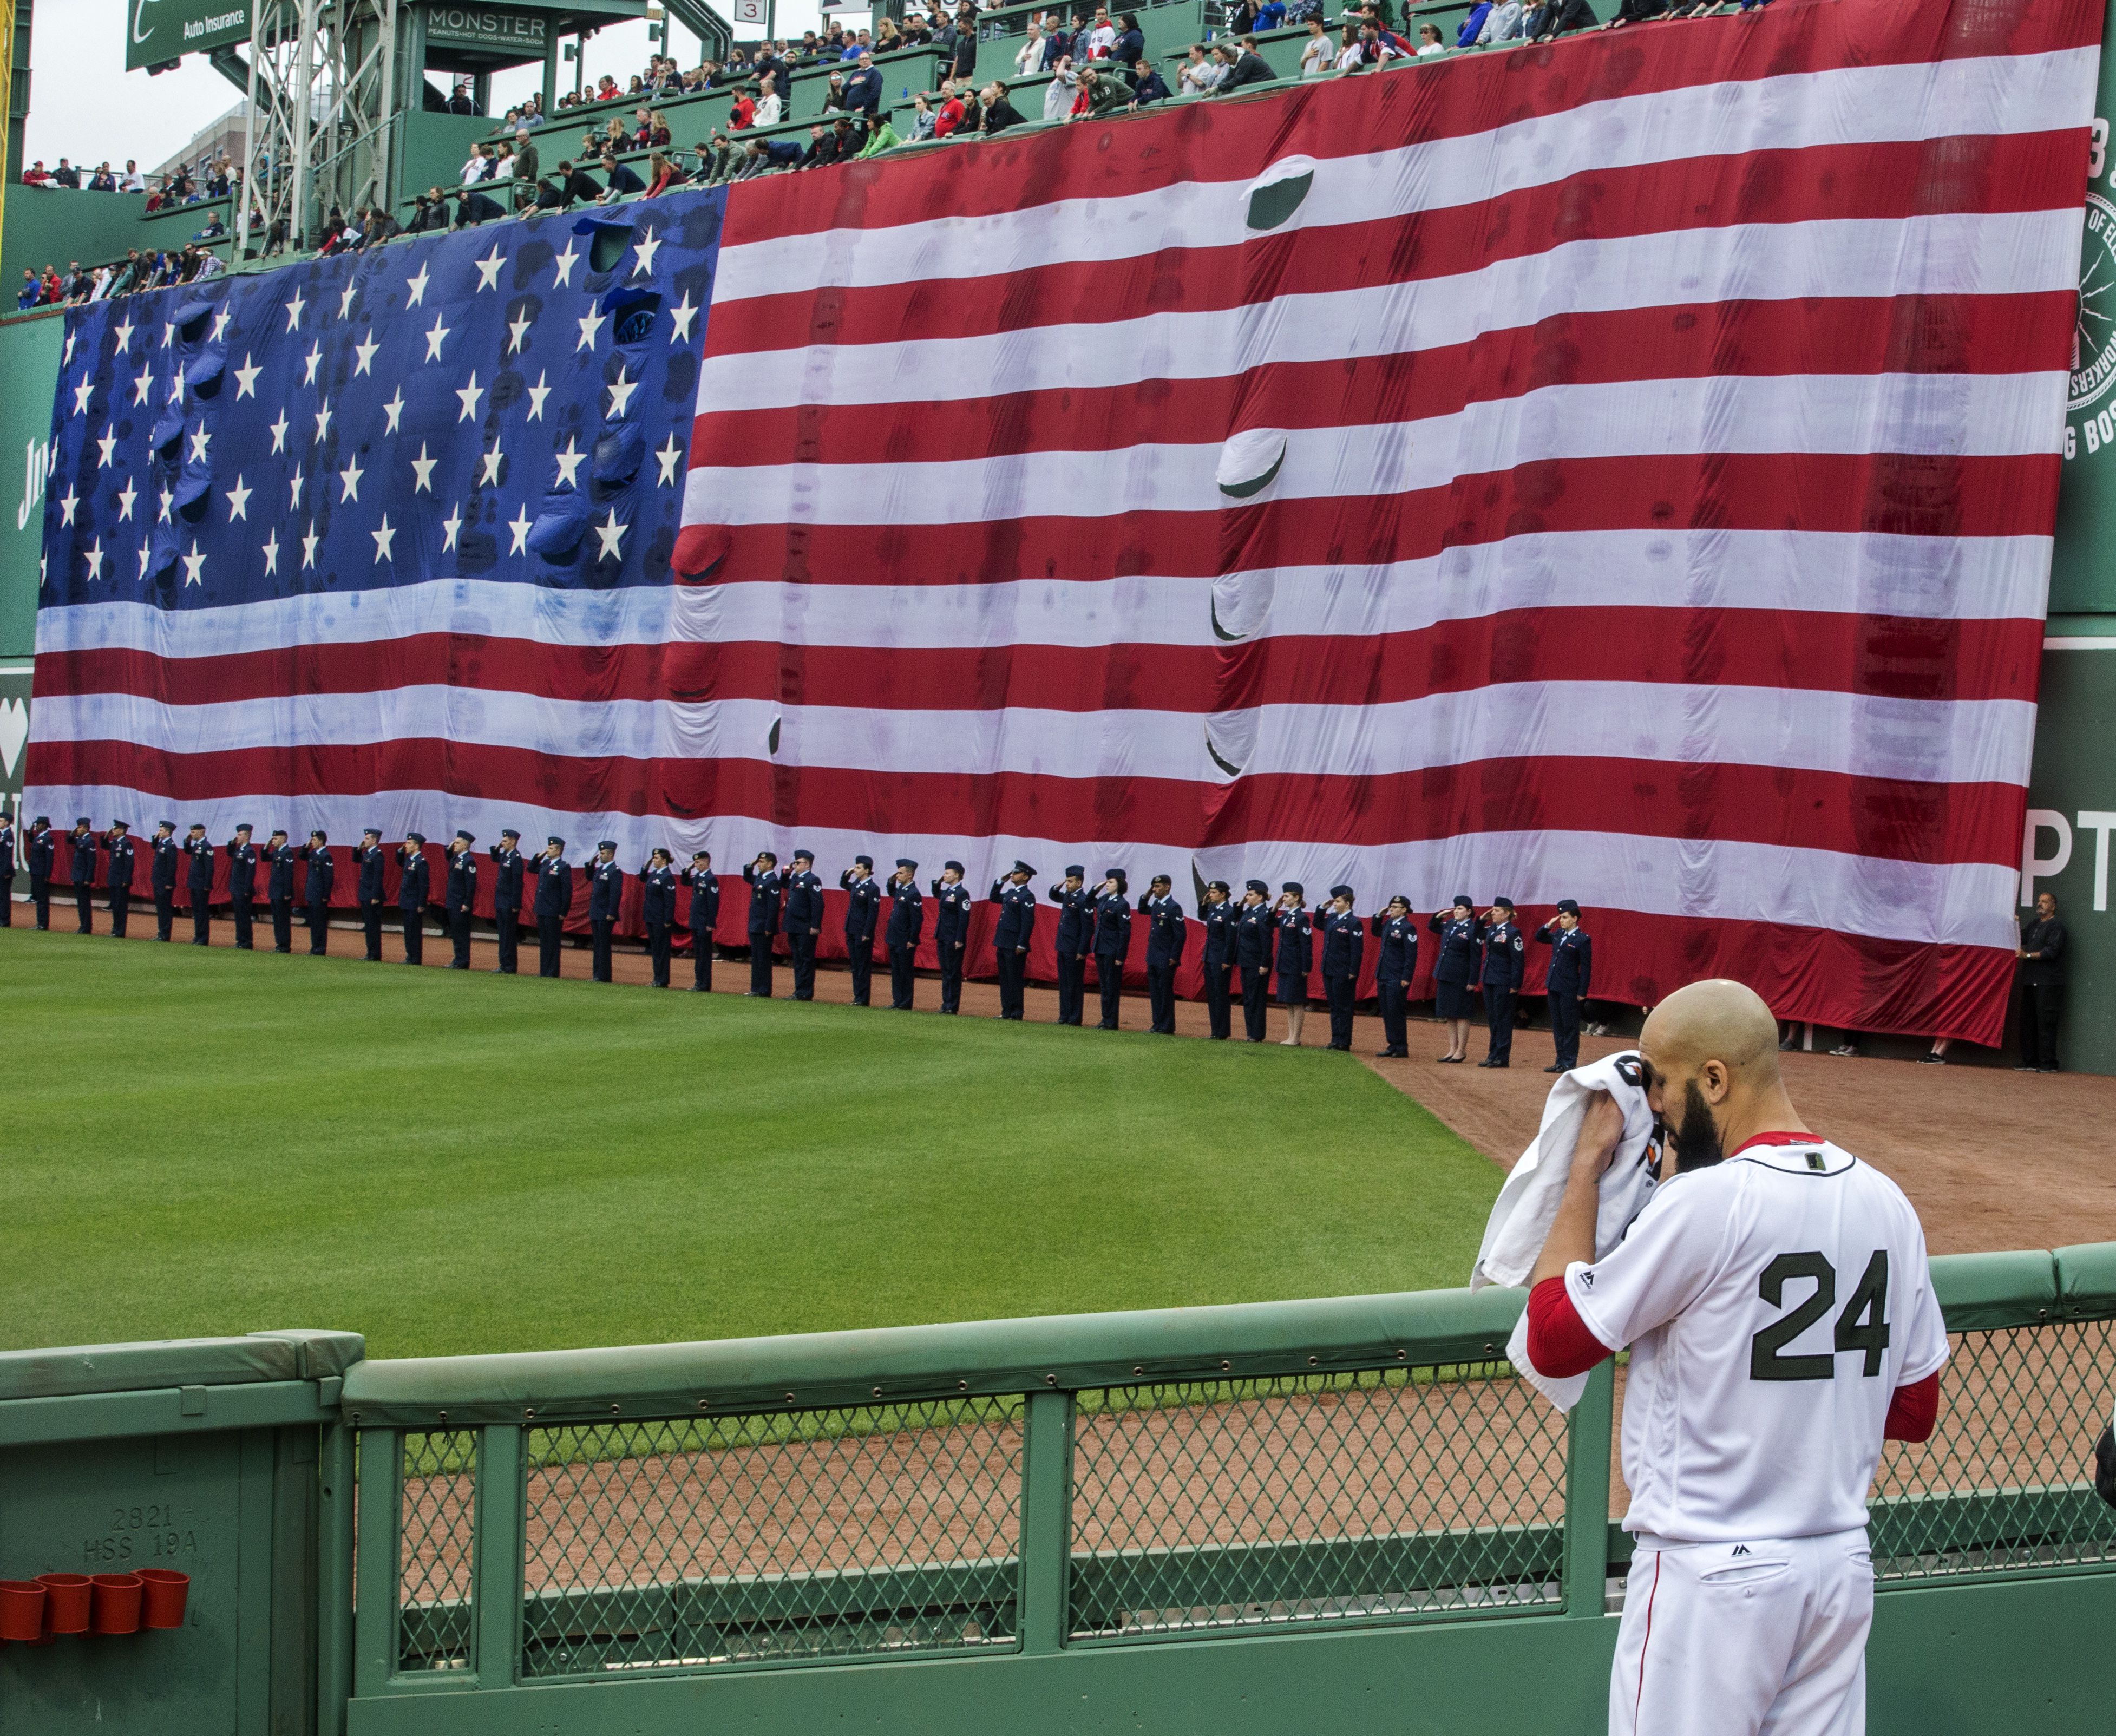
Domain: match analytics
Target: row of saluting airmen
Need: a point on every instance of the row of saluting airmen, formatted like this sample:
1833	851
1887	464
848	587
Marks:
1253	946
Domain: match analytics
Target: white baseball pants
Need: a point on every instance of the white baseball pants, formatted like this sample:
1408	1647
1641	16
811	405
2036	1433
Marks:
1766	1638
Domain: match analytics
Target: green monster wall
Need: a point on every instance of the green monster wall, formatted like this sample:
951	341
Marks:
28	377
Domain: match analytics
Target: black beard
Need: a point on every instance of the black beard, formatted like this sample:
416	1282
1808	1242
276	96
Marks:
1696	1142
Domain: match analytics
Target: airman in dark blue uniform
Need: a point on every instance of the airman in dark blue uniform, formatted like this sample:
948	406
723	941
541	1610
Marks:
1218	918
81	846
1296	955
1571	969
951	932
1461	952
705	886
1167	935
279	860
605	900
1076	940
657	909
1344	943
118	852
316	891
243	884
1502	978
907	922
1016	899
508	870
414	877
1397	931
1112	945
367	859
767	886
198	884
804	921
863	917
554	900
1254	932
6	870
39	852
460	896
162	877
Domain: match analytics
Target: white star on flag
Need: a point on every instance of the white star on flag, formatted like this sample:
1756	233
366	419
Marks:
294	311
450	526
433	340
417	286
220	324
294	483
271	548
167	499
620	392
125	500
591	323
520	526
80	394
469	395
68	502
95	559
365	350
66	360
125	338
199	439
194	564
679	319
490	463
309	364
562	264
644	250
345	301
668	457
168	333
393	410
143	383
310	539
245	377
279	432
322	419
106	444
239	499
146	554
349	477
609	534
423	468
537	393
488	268
568	462
518	329
383	538
177	387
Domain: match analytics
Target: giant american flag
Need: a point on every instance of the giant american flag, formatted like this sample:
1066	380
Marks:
1622	470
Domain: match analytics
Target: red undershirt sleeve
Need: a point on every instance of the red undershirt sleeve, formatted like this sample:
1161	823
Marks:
1913	1411
1559	1342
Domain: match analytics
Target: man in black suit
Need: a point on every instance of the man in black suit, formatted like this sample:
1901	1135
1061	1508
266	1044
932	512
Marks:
2041	972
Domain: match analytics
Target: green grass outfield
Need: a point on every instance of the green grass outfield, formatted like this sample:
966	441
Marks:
205	1141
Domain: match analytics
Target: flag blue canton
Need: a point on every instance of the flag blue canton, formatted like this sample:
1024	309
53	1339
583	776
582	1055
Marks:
513	402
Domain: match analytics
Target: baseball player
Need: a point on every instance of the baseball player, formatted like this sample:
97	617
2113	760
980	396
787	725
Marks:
1776	1301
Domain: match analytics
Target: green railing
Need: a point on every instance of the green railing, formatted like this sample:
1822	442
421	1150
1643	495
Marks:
1239	1520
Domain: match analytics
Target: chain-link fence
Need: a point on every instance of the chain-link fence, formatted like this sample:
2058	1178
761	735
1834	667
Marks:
437	1617
832	1533
1227	1503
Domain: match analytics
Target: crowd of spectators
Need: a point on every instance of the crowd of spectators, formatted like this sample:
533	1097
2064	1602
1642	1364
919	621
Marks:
137	271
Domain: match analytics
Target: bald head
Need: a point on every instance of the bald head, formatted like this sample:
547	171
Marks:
1711	1052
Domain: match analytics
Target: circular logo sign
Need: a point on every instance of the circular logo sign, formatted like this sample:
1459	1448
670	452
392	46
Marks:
2093	341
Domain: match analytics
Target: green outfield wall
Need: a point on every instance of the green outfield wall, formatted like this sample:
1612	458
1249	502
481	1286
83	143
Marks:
1347	1515
30	350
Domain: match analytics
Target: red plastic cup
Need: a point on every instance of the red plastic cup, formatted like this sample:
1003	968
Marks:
114	1603
22	1609
66	1602
164	1593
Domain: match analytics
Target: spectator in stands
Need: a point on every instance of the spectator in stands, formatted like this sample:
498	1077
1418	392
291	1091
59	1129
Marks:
767	106
995	113
31	292
576	182
460	99
533	110
922	118
743	115
606	90
953	111
663	171
1554	18
475	207
102	181
66	175
381	226
863	89
1063	91
1428	40
214	229
1635	11
1501	24
822	147
1248	67
1131	41
1300	12
1317	54
36	175
430	211
1466	36
620	179
1101	93
1200	72
1148	85
478	167
1245	18
881	136
767	154
132	180
1102	36
1028	58
1271	16
834	93
527	167
966	42
885	39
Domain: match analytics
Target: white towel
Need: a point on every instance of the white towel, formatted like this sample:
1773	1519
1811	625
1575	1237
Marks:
1527	1205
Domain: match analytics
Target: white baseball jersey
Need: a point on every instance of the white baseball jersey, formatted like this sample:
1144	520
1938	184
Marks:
1772	1304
